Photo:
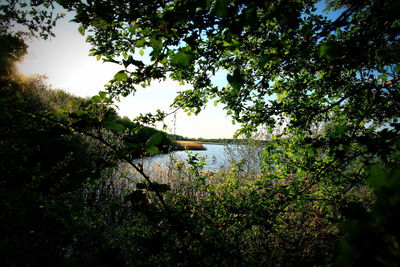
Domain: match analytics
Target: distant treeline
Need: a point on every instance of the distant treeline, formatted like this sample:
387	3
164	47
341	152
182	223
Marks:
205	140
213	140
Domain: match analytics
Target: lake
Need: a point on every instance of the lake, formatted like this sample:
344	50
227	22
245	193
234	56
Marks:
217	157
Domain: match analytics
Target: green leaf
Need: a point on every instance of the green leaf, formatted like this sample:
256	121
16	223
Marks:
81	30
157	46
132	61
114	126
103	94
328	50
236	79
140	43
220	8
377	178
233	45
153	150
181	59
96	99
154	140
136	146
121	76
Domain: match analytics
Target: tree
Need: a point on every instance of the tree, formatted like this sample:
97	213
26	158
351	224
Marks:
20	20
288	65
287	61
28	19
312	63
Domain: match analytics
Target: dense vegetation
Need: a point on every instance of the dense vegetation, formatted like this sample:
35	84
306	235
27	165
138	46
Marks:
325	87
50	173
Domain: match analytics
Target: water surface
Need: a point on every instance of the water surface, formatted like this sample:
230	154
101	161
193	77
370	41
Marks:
215	157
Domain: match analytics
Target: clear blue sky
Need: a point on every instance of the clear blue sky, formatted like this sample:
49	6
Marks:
65	61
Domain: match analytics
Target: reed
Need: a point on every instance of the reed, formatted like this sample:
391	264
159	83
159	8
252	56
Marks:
189	145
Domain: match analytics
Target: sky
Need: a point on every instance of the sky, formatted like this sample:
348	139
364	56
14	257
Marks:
65	62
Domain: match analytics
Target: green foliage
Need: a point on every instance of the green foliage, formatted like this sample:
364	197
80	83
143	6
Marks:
316	63
181	59
54	178
43	166
12	49
326	87
235	80
37	18
328	50
373	237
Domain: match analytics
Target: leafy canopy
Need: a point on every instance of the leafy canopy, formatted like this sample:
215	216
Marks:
329	80
28	18
284	58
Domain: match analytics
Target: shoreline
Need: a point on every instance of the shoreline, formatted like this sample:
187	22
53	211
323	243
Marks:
189	145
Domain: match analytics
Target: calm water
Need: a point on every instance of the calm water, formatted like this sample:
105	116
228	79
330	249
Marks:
217	157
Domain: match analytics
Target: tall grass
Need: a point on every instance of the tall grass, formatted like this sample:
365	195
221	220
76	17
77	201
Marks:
189	145
244	158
